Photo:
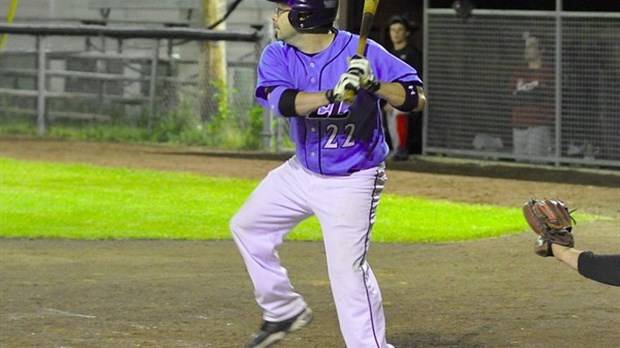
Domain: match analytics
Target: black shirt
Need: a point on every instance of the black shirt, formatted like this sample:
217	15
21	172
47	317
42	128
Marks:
602	268
410	55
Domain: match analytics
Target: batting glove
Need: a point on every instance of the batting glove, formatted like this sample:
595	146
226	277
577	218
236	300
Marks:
345	90
361	66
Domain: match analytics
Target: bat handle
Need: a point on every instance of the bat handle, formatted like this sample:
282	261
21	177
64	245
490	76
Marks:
349	96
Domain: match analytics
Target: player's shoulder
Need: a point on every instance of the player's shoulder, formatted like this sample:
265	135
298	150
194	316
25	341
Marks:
346	37
275	46
344	34
276	50
377	48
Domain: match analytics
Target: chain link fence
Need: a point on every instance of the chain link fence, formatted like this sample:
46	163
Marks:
480	88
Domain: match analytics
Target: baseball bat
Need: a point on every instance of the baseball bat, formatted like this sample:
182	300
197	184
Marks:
368	17
370	8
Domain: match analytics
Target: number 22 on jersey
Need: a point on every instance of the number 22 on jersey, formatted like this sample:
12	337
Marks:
336	111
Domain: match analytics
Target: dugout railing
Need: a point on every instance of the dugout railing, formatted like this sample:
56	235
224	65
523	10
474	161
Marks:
468	63
133	70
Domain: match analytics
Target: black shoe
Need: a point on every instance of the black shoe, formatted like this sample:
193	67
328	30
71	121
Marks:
400	156
272	332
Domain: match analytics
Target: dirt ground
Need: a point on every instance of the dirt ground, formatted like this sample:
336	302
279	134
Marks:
149	293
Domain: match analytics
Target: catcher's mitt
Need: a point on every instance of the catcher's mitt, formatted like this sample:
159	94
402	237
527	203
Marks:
551	221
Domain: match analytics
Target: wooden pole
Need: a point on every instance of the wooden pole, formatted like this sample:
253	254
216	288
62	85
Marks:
9	19
213	63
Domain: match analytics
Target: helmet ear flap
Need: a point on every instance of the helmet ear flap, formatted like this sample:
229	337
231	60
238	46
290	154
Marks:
300	19
311	16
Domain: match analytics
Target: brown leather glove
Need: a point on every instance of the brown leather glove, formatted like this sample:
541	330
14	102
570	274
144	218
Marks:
551	221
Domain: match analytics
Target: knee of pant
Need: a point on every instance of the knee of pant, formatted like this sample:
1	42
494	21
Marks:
343	268
255	245
238	225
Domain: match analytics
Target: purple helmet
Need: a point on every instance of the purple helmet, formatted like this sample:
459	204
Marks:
308	15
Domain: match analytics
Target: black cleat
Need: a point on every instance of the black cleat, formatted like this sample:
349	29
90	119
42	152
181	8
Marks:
272	332
400	156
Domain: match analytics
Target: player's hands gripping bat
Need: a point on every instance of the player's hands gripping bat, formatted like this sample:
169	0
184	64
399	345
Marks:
370	8
361	66
348	82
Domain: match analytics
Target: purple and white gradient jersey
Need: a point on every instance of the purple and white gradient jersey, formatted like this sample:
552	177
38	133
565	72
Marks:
337	139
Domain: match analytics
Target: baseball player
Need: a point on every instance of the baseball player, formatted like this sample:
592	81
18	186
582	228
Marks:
337	172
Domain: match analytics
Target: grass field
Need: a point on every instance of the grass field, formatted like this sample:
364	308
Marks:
52	200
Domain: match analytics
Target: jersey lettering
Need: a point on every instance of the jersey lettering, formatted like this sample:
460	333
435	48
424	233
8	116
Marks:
338	110
523	86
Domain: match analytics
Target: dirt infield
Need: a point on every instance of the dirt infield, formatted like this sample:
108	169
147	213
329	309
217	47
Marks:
147	293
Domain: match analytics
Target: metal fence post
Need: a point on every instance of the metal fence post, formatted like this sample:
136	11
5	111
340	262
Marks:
425	46
153	82
40	87
267	133
558	81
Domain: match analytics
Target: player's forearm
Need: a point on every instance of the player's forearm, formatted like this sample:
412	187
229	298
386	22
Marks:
308	102
289	102
396	95
392	92
567	255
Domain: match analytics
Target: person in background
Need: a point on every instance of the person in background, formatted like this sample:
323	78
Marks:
531	86
405	128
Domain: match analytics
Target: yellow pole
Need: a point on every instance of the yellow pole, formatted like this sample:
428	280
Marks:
213	62
9	19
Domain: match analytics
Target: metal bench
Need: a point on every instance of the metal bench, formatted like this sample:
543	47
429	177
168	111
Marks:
106	6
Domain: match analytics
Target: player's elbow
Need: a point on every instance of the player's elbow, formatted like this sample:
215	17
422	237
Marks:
421	100
415	98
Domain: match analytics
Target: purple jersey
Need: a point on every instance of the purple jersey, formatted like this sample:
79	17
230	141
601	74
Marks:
336	139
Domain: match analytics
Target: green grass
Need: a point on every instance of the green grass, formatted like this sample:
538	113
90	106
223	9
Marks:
52	200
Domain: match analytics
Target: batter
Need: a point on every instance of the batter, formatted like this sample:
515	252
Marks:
337	172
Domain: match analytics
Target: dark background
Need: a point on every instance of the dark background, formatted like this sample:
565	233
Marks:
414	10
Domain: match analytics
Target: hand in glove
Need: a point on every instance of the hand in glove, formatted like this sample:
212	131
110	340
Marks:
361	66
346	89
551	220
